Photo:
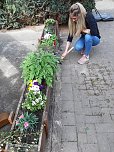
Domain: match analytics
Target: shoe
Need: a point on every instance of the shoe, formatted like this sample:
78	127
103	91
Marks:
84	59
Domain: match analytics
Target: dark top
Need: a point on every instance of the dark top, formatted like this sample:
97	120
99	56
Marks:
91	24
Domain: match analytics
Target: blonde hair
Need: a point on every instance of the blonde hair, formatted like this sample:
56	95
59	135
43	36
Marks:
75	28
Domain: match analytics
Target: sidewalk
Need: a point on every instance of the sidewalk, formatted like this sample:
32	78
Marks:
14	46
82	112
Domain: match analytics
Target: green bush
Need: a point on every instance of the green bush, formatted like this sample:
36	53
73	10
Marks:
39	66
63	6
19	13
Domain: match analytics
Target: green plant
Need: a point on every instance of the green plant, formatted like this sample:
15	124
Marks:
30	67
49	22
48	67
34	101
26	122
40	65
18	13
62	7
88	4
50	41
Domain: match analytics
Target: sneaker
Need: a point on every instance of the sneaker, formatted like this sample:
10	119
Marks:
84	59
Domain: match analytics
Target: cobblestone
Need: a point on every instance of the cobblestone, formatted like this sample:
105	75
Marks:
86	106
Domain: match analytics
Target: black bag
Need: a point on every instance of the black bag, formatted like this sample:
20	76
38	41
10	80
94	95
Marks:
102	16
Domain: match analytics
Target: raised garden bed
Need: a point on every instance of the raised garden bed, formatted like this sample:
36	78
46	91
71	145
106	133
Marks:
30	126
27	142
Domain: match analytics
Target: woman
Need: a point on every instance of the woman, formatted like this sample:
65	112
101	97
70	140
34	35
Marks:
83	24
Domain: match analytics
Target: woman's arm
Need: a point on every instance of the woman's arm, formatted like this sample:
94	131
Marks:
66	49
69	41
92	24
67	46
86	31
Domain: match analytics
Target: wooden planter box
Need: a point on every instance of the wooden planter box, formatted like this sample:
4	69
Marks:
43	129
39	147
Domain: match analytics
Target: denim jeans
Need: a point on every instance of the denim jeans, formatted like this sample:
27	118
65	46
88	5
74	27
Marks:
86	42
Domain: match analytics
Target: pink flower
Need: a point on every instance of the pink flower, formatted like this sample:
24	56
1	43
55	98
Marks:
26	125
21	116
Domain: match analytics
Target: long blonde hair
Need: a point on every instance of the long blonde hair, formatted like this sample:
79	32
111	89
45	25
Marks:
75	28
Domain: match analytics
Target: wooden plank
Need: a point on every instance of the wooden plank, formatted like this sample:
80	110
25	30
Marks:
6	118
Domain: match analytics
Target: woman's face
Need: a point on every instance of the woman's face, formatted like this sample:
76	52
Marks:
74	18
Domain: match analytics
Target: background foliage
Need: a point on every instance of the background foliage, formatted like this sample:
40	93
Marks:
18	13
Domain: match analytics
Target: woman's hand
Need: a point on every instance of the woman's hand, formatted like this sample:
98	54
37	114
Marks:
66	52
63	55
87	31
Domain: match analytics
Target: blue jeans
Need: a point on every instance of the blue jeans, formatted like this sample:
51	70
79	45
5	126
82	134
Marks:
86	42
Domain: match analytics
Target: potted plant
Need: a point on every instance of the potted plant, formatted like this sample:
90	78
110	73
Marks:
40	66
35	99
26	122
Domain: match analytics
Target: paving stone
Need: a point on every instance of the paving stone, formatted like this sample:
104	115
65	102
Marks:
112	147
67	106
88	148
81	128
86	118
68	119
69	134
93	119
66	95
80	118
91	138
103	143
82	138
66	79
85	103
69	147
104	127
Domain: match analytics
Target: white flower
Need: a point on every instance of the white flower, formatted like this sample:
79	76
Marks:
47	36
42	103
33	103
35	88
37	100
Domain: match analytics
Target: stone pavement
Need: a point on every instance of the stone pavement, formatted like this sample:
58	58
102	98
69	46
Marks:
82	111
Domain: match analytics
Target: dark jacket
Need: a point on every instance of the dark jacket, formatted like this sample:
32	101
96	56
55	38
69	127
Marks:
90	24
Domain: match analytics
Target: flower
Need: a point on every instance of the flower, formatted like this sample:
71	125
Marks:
37	100
26	125
35	86
21	116
34	100
28	122
47	36
35	82
33	103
